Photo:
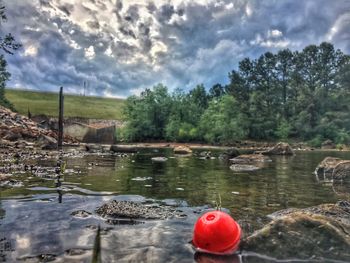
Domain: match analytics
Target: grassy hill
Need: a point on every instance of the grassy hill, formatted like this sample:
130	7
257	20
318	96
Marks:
74	105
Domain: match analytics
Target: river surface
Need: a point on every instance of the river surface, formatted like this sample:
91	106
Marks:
37	225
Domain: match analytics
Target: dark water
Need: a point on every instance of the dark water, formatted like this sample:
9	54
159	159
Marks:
36	222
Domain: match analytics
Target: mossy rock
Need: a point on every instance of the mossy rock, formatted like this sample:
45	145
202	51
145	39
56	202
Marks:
321	232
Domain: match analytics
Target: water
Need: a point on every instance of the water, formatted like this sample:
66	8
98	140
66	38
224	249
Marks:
36	221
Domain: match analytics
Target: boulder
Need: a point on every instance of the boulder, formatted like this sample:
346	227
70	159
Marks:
250	159
341	171
328	144
229	154
123	149
47	142
321	232
327	166
182	150
280	148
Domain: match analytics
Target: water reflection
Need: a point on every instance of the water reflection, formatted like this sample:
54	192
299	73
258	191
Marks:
210	258
181	181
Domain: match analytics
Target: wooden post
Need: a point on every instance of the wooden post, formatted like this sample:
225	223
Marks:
60	120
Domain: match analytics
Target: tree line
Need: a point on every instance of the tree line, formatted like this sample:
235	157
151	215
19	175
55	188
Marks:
302	95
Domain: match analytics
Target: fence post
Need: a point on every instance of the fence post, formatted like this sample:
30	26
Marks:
60	120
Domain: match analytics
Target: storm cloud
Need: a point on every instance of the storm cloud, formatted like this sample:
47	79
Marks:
120	47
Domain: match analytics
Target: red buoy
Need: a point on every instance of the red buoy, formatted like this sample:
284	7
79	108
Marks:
216	232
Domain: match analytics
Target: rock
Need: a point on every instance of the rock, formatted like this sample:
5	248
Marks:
133	210
14	127
11	183
93	147
229	154
182	150
159	159
47	142
244	167
205	154
327	166
280	148
250	159
341	171
328	144
81	214
123	149
12	136
320	232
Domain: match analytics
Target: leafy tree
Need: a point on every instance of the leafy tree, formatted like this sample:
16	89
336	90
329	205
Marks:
222	122
147	114
216	91
8	45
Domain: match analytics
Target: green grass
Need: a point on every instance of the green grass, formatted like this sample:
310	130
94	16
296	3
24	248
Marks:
74	105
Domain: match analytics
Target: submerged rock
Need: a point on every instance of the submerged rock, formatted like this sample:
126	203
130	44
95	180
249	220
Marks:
159	159
132	210
280	148
123	149
229	154
182	150
244	168
327	166
81	214
250	159
205	155
317	232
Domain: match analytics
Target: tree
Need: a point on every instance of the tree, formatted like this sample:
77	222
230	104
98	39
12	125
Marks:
8	45
147	114
222	122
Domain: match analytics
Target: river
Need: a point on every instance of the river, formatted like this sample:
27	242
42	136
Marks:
37	224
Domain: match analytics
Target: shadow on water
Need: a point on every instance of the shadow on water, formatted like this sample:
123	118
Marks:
36	220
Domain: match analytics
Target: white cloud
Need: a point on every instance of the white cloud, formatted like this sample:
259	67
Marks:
89	52
31	50
275	33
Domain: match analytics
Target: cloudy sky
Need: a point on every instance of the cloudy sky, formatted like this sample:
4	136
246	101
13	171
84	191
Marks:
120	47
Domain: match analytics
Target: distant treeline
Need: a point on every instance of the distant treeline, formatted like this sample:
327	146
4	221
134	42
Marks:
289	95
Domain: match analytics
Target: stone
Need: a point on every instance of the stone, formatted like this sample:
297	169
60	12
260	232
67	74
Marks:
341	171
182	150
159	159
81	214
328	145
280	148
229	154
320	232
250	159
47	142
132	210
244	168
123	149
327	166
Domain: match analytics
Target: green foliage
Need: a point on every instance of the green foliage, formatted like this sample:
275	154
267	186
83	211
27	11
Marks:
222	122
316	141
283	130
8	45
343	137
147	115
304	95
